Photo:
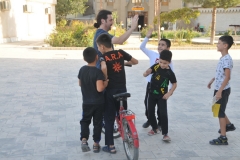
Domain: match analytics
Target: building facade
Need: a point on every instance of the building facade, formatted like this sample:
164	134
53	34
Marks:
124	9
224	18
26	19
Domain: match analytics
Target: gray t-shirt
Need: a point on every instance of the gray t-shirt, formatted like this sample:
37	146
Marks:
224	62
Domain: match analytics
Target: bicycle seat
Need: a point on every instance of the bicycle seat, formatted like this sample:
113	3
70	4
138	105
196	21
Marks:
122	95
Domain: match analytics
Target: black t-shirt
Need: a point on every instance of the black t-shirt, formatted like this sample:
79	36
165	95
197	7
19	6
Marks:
160	80
115	68
88	76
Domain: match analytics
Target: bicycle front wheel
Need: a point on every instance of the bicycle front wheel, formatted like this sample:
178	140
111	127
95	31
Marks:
131	149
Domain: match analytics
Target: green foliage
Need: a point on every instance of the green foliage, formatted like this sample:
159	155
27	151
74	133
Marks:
185	14
118	32
78	34
214	3
115	16
208	31
66	7
178	35
228	32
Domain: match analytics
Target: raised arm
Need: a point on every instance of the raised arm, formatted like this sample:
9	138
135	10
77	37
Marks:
126	35
144	43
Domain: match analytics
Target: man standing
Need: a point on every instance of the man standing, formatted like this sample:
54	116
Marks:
104	22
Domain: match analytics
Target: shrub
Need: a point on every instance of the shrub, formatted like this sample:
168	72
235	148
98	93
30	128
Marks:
175	35
76	34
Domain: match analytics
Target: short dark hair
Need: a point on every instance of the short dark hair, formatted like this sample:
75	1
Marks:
101	15
166	55
89	54
168	42
228	40
105	40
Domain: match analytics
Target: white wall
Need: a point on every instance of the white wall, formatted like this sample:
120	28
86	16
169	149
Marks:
16	25
223	20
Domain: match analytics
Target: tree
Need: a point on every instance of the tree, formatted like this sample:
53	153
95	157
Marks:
214	4
66	7
185	14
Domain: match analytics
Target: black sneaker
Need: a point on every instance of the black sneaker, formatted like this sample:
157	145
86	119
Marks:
146	124
222	140
229	127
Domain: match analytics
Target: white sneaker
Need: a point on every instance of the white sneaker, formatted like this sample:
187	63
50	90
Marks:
166	138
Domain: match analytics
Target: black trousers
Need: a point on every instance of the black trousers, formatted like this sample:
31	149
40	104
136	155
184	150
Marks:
146	104
154	100
90	111
111	109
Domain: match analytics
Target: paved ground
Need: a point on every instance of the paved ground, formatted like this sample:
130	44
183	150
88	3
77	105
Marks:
41	108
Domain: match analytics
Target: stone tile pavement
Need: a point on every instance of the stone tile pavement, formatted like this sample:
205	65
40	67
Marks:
40	109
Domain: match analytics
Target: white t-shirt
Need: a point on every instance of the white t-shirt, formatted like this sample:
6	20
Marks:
224	62
153	57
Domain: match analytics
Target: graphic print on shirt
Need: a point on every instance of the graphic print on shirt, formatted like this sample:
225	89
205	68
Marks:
113	57
224	62
117	67
165	83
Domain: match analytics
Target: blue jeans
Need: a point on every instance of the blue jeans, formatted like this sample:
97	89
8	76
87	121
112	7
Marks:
111	108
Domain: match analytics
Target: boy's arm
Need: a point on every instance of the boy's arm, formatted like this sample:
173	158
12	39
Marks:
210	83
144	42
133	61
170	92
101	85
79	82
147	72
126	35
225	82
103	67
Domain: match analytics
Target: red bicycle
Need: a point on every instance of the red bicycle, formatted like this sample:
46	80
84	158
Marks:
126	127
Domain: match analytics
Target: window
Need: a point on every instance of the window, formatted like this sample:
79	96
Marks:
165	2
110	2
136	1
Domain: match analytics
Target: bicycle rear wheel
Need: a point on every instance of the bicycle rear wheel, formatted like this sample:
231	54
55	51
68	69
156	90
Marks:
132	151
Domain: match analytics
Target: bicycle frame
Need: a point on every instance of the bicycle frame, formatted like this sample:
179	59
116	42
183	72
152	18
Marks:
129	118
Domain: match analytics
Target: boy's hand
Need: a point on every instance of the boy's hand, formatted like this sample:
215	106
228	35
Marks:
149	33
218	95
210	83
167	95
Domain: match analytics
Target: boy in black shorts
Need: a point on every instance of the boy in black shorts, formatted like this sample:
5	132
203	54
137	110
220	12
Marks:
158	94
92	82
114	62
222	88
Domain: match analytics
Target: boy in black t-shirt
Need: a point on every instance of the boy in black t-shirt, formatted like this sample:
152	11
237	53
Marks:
112	65
159	93
92	82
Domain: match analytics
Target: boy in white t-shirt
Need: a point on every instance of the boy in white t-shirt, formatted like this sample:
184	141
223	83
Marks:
222	88
164	44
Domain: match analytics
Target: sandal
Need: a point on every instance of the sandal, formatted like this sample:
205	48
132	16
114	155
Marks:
108	149
84	146
96	149
222	140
